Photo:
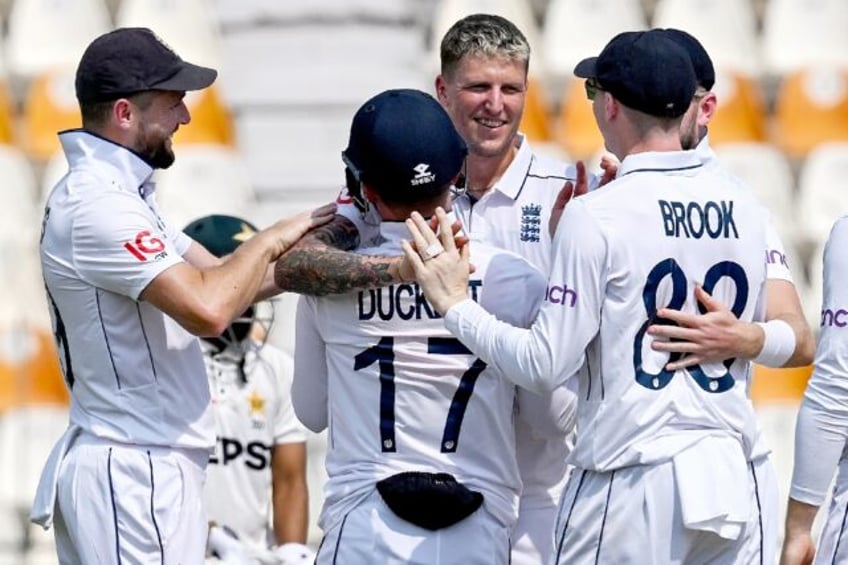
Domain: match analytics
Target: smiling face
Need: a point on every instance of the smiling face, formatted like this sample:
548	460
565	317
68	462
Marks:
484	96
160	116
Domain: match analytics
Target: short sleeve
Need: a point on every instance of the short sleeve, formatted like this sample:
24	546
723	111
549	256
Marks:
120	244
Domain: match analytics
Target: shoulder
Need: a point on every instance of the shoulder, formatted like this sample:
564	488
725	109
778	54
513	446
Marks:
545	167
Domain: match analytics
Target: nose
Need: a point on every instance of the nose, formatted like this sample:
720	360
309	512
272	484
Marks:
495	100
185	115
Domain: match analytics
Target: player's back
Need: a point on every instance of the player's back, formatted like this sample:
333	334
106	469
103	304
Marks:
665	225
406	395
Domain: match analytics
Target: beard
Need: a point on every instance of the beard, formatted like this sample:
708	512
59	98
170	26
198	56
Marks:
153	148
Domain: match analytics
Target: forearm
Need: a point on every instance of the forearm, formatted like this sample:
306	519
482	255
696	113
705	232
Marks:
320	270
291	512
799	517
320	264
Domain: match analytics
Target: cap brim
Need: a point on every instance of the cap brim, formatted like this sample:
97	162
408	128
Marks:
189	77
586	68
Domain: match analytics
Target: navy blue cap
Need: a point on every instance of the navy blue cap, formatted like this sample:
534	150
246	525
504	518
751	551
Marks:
220	234
645	71
404	145
701	62
134	59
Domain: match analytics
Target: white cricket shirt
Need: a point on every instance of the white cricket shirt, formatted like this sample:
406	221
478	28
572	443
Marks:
399	393
822	427
777	265
250	419
637	244
135	375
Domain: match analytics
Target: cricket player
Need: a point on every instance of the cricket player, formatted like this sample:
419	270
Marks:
663	461
421	458
821	429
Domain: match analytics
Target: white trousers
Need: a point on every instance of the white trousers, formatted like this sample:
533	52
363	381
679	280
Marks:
833	540
533	535
371	533
633	515
126	504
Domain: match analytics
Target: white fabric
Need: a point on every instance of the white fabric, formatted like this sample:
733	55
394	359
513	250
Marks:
514	215
822	426
778	343
596	527
371	533
130	504
250	419
777	264
350	347
609	243
135	375
712	498
831	541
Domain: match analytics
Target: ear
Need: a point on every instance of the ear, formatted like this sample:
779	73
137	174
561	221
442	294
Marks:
123	113
707	107
441	88
611	108
369	193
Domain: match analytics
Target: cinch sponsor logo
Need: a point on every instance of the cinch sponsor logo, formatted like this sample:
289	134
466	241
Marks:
774	256
256	454
145	244
692	220
838	318
556	294
404	301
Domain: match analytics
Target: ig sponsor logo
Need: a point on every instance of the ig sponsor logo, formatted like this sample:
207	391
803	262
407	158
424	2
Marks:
145	244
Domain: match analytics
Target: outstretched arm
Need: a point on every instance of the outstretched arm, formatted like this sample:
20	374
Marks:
320	264
718	335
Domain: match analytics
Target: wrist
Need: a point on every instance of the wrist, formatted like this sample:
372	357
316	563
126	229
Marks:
778	343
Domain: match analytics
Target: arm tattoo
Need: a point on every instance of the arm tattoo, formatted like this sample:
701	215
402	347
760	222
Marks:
319	264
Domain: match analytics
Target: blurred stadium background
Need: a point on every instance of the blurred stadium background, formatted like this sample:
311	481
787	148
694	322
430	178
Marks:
265	142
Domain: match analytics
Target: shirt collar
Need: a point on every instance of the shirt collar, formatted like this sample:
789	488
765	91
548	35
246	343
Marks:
82	147
704	151
395	231
658	161
512	180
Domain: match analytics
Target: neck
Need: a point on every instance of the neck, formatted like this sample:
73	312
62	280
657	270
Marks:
655	140
484	172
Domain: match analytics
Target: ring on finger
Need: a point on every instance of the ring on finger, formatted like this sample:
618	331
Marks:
433	250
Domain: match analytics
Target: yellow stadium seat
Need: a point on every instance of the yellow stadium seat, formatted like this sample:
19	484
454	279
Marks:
741	114
211	121
50	106
576	130
812	108
779	385
7	116
535	123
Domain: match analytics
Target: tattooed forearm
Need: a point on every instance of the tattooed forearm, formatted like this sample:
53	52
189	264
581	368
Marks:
318	272
340	233
318	264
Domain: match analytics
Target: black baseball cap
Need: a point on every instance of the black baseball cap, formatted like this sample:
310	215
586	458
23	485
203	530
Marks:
404	145
134	59
646	71
220	234
701	62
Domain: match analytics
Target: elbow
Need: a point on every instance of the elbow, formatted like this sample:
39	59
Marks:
805	352
208	321
310	419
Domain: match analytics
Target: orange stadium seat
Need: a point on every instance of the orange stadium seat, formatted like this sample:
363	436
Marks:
779	385
741	114
812	108
535	123
50	106
211	121
29	369
576	130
